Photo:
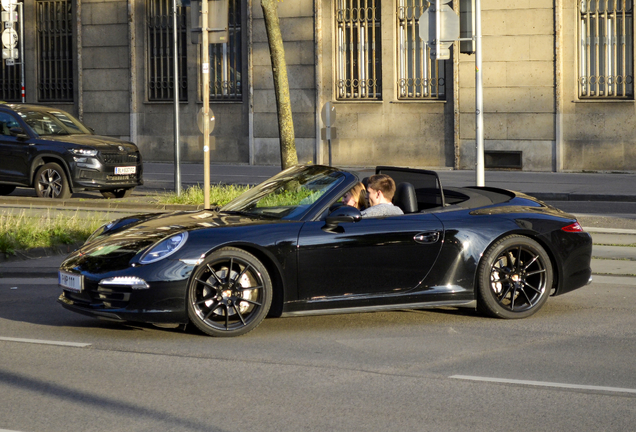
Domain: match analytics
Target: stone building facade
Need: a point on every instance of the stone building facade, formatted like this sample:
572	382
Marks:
558	81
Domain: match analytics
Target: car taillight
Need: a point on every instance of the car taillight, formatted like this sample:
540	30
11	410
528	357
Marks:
575	227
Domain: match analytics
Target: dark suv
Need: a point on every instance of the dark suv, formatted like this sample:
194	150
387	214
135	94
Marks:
50	150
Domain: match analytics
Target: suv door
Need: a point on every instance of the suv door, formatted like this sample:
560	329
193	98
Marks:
13	152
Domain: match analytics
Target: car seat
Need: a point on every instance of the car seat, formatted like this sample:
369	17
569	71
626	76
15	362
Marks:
405	198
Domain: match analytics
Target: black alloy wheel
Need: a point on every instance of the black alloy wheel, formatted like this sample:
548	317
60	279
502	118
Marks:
229	293
117	193
51	182
6	189
515	278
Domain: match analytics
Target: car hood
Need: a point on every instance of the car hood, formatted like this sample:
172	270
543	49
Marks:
98	142
130	237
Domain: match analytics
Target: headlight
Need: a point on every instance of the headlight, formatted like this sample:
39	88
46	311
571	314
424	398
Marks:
164	248
84	152
87	162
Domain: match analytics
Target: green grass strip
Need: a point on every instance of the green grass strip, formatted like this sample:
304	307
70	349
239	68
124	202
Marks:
22	232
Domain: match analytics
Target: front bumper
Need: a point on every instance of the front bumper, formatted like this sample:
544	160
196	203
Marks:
163	302
101	175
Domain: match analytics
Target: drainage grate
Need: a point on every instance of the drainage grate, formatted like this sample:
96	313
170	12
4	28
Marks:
498	159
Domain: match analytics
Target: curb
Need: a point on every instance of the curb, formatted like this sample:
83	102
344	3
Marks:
556	196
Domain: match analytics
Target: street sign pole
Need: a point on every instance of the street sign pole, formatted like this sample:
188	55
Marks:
479	102
177	152
205	74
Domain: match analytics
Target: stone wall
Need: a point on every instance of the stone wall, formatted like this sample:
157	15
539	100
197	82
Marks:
599	134
297	28
389	131
518	84
105	74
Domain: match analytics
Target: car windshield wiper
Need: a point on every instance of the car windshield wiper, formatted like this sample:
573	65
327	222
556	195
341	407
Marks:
249	214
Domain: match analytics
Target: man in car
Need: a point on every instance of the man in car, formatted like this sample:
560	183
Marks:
380	191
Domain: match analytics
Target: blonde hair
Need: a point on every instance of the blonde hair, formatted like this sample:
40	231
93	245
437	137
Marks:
359	194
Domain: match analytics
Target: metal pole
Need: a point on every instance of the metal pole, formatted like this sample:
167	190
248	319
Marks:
438	28
205	74
479	102
21	7
177	152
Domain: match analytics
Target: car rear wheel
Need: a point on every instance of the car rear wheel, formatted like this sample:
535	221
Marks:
515	278
117	193
6	189
51	182
229	294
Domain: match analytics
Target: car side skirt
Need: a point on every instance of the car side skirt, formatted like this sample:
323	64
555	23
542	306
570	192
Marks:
362	309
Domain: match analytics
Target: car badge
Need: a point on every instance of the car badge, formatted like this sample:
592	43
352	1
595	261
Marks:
120	148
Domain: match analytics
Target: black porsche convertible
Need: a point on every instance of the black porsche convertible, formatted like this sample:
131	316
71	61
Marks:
290	247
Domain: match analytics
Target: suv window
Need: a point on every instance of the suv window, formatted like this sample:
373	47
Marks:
52	123
7	121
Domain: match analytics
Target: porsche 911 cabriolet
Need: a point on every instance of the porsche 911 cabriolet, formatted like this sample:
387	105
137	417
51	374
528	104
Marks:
290	247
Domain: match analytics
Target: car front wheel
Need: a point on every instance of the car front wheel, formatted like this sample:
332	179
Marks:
229	294
515	278
51	182
117	193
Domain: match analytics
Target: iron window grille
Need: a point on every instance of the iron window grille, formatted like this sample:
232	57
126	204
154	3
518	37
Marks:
54	21
419	77
359	50
606	49
226	62
160	53
11	82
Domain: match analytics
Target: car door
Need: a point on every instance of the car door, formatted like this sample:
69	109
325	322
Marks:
371	256
13	152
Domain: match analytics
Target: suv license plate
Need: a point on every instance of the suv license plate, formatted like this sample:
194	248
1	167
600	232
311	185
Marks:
125	170
69	281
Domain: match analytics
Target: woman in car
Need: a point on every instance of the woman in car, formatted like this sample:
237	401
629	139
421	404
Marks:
356	197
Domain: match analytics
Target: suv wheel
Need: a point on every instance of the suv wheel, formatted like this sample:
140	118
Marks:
51	182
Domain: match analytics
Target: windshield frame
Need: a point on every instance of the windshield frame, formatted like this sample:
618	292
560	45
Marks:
247	202
58	122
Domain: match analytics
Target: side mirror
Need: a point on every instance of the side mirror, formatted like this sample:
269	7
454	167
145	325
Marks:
343	214
18	132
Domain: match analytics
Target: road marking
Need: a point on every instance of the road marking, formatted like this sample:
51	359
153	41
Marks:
545	384
46	342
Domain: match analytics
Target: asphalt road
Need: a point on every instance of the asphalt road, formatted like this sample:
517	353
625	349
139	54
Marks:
568	368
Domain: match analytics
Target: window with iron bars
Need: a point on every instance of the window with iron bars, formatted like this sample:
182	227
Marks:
419	77
54	21
11	81
226	62
358	50
160	52
606	49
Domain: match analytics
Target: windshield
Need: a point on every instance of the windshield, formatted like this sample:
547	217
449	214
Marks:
287	195
54	122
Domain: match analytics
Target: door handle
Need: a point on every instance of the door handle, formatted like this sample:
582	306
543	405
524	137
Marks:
427	237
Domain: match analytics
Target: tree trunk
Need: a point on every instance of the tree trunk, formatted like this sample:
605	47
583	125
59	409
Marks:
288	154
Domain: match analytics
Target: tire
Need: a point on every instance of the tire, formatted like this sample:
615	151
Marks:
514	278
51	182
6	189
229	294
117	193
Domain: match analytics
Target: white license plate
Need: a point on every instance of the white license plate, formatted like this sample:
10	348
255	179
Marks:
69	281
125	170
